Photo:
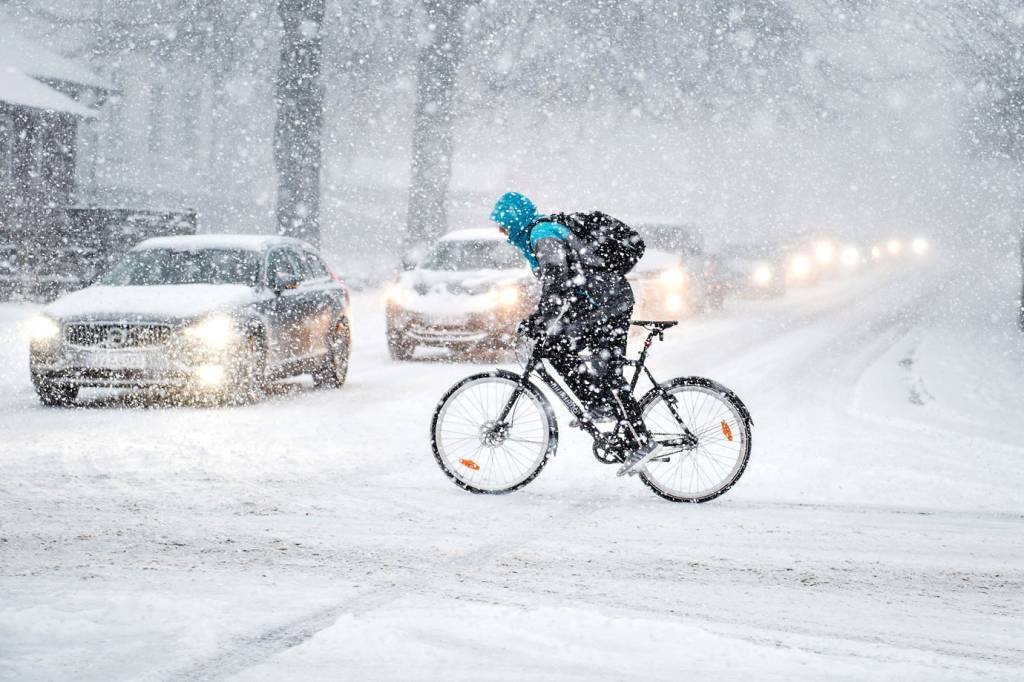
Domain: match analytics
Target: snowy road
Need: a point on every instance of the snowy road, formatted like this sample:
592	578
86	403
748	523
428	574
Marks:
878	531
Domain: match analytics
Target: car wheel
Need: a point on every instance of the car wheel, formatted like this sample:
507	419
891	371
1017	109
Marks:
54	395
335	371
399	347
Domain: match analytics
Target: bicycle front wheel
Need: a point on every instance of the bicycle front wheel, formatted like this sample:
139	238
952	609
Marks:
702	469
483	454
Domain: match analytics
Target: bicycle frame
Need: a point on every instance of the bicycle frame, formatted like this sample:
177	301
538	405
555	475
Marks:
535	366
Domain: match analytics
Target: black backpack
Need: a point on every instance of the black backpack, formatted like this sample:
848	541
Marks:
603	243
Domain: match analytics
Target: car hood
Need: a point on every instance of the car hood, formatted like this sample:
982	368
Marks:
462	282
461	291
169	302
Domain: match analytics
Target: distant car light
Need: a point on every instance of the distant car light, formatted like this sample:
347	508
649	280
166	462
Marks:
43	328
876	252
217	332
850	257
824	252
674	303
800	266
673	277
894	247
919	246
763	275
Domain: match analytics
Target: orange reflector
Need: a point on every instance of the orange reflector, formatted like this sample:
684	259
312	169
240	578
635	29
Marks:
470	464
726	431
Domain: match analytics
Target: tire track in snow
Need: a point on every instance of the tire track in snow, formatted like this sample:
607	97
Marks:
250	650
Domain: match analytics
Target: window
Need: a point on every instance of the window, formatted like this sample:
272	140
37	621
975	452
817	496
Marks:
468	254
301	269
152	267
315	266
279	262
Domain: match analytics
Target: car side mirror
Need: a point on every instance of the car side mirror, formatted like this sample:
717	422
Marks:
284	281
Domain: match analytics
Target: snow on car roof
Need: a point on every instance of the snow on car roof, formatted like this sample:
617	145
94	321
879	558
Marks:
475	233
245	242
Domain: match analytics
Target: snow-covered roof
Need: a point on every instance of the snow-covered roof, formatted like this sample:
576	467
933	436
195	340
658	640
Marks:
22	90
476	234
29	57
243	242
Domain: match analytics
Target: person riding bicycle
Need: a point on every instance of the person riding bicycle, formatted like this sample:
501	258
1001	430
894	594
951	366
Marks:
576	314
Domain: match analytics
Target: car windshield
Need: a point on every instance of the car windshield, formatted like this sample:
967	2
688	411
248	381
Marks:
467	254
152	267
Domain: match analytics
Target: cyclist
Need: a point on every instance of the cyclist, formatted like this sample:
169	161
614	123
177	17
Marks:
577	314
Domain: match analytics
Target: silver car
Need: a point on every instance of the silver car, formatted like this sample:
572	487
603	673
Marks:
212	314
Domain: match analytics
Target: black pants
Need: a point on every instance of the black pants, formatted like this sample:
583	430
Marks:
597	378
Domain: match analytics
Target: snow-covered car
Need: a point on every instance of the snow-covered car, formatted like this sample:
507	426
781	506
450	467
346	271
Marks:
215	314
666	286
467	295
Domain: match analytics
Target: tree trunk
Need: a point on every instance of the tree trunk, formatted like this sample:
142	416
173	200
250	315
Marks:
432	146
297	131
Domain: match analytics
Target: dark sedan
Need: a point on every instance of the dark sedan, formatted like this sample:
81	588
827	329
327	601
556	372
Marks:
218	315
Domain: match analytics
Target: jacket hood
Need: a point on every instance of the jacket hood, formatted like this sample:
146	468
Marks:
515	212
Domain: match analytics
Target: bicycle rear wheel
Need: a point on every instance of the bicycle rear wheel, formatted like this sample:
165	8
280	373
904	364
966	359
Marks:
481	454
699	472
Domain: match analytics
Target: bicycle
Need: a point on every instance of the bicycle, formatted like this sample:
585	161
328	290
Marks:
493	432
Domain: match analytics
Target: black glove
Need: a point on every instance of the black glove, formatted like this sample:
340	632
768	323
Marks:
533	327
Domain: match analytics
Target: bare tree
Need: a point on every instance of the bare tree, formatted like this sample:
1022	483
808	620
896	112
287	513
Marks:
297	132
432	145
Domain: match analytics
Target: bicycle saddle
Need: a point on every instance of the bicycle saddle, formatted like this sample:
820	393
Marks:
655	325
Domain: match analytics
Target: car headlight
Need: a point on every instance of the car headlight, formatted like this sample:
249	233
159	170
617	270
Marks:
398	294
800	266
825	252
673	277
217	332
919	246
762	275
508	296
42	328
894	247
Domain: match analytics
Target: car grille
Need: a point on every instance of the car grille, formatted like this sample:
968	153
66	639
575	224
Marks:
108	335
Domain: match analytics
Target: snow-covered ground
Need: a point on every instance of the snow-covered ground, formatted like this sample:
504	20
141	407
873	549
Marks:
878	532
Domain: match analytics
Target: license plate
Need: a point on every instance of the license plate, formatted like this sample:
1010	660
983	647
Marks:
448	321
113	360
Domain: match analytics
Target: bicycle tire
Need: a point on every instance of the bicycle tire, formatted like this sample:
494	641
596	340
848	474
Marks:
743	422
544	407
